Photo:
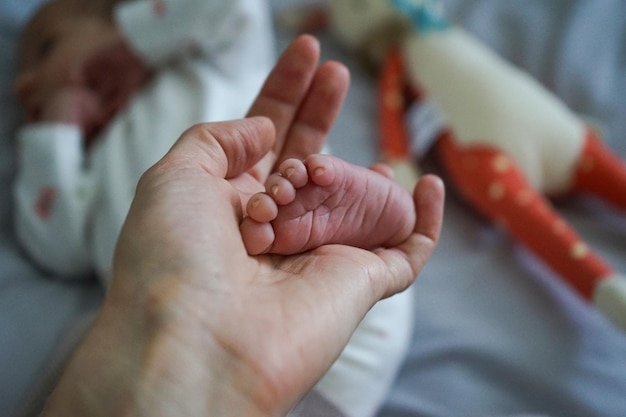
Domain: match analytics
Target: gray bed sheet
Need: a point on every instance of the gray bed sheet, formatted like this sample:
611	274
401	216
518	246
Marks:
495	332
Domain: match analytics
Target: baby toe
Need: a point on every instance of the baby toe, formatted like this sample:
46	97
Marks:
257	237
295	171
280	189
262	208
321	169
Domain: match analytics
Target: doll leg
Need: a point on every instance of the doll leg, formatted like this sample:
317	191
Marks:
601	173
493	184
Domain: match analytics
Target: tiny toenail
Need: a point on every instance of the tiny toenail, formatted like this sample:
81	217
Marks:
289	172
319	172
275	189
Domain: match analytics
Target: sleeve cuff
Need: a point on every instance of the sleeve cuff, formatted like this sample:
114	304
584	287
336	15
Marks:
48	144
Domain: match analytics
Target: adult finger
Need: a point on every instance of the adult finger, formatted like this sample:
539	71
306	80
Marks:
405	261
283	92
223	149
318	112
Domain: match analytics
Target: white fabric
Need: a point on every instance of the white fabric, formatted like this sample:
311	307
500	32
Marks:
610	298
51	198
359	382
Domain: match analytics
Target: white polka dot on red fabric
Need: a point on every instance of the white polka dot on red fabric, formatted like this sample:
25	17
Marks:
501	163
496	191
579	250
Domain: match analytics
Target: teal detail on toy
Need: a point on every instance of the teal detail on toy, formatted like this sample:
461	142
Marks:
425	15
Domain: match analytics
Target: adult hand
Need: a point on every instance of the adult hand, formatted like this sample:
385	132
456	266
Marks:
192	325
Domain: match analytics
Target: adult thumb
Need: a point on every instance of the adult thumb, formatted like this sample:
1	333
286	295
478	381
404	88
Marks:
224	149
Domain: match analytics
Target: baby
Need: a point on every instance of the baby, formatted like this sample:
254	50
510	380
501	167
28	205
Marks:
107	87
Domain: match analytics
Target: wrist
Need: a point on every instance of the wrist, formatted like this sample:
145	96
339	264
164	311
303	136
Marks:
152	365
194	357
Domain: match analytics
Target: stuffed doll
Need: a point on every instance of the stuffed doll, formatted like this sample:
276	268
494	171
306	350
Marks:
505	143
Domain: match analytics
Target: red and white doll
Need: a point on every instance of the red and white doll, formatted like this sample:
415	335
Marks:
507	143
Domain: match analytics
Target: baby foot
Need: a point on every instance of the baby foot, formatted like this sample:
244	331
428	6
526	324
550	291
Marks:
324	200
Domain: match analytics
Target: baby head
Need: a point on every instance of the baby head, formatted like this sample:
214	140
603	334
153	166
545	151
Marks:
54	45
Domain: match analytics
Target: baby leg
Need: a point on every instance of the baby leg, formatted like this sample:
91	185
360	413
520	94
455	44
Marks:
493	184
324	200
